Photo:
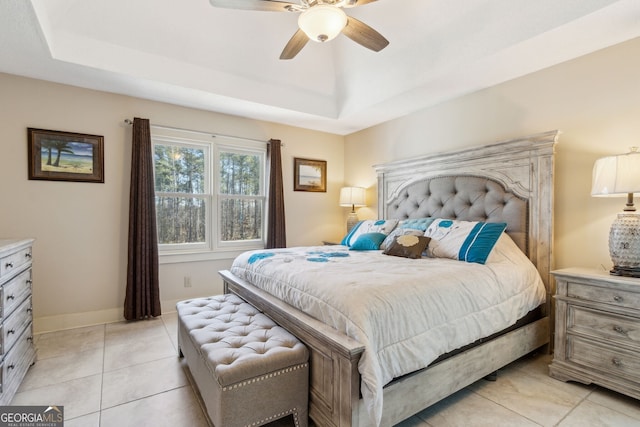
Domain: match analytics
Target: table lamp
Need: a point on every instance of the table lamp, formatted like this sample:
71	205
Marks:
620	176
352	197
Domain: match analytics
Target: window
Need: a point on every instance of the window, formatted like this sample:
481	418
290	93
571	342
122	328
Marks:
210	192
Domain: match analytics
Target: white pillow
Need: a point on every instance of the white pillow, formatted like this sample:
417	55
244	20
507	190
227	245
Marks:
470	241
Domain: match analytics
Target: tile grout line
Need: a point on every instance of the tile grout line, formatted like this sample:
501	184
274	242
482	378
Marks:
575	407
513	411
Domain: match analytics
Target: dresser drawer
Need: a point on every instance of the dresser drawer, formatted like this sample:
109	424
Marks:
624	330
613	360
611	296
14	325
14	292
16	364
14	261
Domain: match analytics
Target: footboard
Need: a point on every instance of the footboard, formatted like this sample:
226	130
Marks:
334	381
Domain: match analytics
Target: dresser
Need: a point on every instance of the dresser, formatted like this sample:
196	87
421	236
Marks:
597	332
16	334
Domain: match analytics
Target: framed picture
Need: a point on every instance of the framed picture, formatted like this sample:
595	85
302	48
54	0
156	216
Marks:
309	175
65	156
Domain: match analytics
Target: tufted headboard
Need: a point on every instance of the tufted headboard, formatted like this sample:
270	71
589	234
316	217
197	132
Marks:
509	181
464	197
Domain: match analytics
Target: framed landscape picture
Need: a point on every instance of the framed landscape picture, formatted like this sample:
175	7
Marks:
65	156
309	175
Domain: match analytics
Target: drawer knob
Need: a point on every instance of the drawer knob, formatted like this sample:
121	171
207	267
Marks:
29	310
27	255
11	367
619	330
30	338
9	297
9	265
618	298
29	281
11	331
616	362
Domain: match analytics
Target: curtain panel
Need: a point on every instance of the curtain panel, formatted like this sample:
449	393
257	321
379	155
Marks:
142	299
276	232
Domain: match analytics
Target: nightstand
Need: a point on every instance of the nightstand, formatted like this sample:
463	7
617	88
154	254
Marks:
597	332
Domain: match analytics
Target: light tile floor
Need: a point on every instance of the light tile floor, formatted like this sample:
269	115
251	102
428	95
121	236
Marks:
128	374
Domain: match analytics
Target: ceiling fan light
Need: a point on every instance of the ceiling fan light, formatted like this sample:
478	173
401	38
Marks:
323	22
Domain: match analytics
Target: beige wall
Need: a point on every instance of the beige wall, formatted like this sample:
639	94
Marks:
81	229
593	100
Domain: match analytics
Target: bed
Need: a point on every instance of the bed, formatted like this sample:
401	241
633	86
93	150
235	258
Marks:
510	182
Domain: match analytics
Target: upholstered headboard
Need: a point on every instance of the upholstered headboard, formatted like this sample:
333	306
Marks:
510	182
464	197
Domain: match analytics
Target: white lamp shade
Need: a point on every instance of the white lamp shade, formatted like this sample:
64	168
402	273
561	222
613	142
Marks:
323	22
352	196
616	175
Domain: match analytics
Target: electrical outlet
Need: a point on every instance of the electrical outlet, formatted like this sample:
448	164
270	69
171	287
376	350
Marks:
187	281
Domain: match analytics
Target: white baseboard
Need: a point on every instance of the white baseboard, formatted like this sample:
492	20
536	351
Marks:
89	318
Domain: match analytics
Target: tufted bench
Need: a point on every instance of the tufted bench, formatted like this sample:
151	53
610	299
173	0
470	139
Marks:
249	371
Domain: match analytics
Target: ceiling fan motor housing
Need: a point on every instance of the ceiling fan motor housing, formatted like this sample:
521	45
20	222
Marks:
322	22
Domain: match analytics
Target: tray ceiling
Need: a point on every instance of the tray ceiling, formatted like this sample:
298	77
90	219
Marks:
190	53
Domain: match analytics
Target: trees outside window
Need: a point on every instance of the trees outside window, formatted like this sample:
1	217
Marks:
209	195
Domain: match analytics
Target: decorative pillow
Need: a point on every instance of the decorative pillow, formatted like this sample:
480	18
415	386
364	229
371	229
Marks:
368	242
416	223
408	246
399	231
470	241
369	226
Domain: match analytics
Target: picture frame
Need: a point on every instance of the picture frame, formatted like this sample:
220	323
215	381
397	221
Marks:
309	175
65	156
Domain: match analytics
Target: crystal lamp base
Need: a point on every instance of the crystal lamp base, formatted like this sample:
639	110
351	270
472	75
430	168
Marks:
624	245
352	220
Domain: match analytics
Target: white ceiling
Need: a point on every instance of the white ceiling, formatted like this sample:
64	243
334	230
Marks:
189	53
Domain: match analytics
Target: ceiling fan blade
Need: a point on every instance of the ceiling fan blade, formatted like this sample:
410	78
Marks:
295	45
354	3
363	34
268	5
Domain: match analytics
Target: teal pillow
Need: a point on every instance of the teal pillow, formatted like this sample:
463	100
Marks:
347	238
368	242
478	245
384	226
416	223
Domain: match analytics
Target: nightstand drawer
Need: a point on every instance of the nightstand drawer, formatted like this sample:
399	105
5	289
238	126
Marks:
616	361
611	296
605	325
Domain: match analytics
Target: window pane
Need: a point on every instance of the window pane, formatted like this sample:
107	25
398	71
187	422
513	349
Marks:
240	174
240	219
179	169
180	220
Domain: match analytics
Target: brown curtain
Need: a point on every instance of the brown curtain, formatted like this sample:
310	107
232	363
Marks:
142	298
276	233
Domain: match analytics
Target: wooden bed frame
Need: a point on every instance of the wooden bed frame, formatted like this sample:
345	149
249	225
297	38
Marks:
524	167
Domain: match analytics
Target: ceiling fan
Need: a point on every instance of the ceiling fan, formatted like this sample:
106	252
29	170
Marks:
320	21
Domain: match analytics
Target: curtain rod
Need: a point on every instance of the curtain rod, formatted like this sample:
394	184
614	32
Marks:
130	122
